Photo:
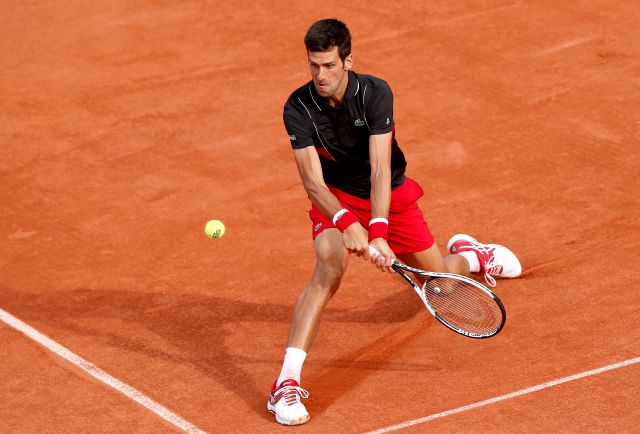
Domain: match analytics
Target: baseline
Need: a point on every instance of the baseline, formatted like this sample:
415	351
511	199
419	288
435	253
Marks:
99	374
507	396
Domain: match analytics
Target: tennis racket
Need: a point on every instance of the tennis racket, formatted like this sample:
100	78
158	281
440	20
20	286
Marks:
460	303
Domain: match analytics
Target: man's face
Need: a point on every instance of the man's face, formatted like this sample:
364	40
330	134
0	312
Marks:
329	72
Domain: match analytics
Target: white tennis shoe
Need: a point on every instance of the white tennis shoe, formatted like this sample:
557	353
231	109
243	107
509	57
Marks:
284	402
495	260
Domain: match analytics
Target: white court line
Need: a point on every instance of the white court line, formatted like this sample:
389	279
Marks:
507	396
98	373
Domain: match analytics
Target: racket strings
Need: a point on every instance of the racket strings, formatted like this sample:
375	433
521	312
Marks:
463	305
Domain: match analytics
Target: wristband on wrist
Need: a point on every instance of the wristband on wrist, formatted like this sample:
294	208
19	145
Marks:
343	219
378	228
339	214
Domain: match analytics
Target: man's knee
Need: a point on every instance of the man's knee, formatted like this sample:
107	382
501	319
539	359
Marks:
328	274
331	257
331	264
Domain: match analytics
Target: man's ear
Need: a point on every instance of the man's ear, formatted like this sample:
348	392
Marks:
348	62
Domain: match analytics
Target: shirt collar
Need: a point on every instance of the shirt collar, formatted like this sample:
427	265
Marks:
353	86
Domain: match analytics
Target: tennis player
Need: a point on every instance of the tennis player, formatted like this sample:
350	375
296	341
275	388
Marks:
342	132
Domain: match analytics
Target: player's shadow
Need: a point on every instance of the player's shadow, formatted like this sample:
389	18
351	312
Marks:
196	328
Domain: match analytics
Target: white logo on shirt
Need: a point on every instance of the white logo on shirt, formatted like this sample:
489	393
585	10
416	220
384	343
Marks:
359	123
388	121
292	137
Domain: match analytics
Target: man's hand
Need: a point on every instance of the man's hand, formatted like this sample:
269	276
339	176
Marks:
355	239
386	257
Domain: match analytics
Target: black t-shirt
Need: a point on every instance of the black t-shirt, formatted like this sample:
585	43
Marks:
341	134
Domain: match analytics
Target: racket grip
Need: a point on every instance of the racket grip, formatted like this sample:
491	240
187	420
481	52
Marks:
374	251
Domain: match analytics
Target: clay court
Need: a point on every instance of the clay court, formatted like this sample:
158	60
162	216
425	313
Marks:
126	126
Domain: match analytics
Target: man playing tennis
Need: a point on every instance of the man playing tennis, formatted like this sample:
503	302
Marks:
341	128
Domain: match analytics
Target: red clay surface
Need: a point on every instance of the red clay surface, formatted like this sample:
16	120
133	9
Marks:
126	126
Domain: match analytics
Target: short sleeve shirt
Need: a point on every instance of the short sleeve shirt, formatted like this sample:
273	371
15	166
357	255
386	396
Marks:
341	134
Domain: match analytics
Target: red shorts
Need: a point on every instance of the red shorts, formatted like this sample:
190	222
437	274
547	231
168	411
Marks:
408	231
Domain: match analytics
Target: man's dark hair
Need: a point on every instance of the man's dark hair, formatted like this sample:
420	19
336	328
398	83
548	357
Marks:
323	35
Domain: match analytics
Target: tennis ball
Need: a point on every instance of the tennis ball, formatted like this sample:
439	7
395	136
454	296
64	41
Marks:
214	229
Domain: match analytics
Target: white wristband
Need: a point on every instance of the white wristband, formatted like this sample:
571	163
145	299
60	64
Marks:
339	214
379	220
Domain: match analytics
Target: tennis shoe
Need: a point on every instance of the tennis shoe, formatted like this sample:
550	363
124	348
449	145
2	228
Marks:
284	402
495	260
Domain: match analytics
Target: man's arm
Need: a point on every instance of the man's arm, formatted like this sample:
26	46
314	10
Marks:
380	158
354	237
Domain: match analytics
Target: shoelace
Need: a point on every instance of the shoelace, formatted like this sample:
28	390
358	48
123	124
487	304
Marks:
292	394
489	266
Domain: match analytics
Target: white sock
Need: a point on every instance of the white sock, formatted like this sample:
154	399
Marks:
292	366
472	259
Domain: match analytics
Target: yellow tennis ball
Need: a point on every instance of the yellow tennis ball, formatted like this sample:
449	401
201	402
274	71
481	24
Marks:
214	229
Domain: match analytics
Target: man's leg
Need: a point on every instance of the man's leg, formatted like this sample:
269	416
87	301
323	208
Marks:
468	256
432	260
331	263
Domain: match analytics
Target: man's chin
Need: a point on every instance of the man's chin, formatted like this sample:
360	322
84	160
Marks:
323	91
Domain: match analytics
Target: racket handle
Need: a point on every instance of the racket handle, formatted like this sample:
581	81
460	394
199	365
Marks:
374	251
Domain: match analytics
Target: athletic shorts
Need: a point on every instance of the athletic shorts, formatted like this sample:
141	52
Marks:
408	231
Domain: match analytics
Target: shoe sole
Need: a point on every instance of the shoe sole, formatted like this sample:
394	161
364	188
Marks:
298	421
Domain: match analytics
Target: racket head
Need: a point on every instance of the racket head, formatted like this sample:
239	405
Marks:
461	304
465	306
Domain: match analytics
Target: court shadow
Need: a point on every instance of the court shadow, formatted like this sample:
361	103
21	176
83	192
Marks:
197	328
408	322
